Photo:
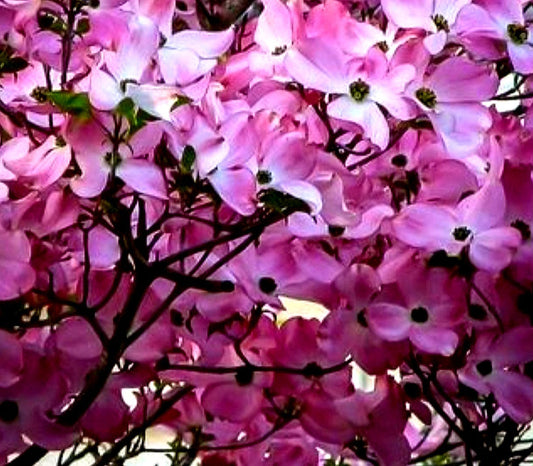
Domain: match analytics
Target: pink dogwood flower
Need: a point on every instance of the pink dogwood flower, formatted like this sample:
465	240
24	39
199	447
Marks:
487	24
279	29
476	223
40	167
437	17
451	96
360	84
346	330
189	55
98	161
27	407
492	368
17	274
386	409
426	311
125	69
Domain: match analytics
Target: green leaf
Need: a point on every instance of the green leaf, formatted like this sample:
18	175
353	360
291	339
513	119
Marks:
180	100
126	108
187	159
440	460
282	202
76	104
5	52
83	26
13	65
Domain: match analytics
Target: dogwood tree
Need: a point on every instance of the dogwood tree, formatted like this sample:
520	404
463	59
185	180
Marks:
170	169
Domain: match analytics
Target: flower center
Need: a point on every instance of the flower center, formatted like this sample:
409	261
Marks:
176	318
484	367
383	46
9	411
264	177
279	50
335	230
113	159
267	285
359	90
412	390
244	376
361	319
40	94
399	160
427	97
419	315
477	312
441	23
523	228
517	33
461	233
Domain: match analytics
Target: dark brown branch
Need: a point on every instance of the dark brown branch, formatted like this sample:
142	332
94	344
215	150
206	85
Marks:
165	405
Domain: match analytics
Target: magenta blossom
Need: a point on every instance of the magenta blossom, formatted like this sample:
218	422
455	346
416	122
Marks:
492	368
361	84
427	310
476	223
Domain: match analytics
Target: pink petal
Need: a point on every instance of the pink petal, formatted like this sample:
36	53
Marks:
392	101
179	66
12	361
434	43
321	419
483	209
475	20
514	393
104	250
152	345
462	126
288	157
44	431
104	90
155	99
493	250
304	191
17	274
435	340
111	406
237	188
311	257
274	28
320	70
521	56
4	192
142	176
205	44
188	55
13	149
425	226
229	401
409	13
390	321
76	338
366	114
471	377
94	173
504	12
370	222
135	51
449	8
460	80
51	167
513	348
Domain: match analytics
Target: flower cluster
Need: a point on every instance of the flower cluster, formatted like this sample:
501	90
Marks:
171	171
